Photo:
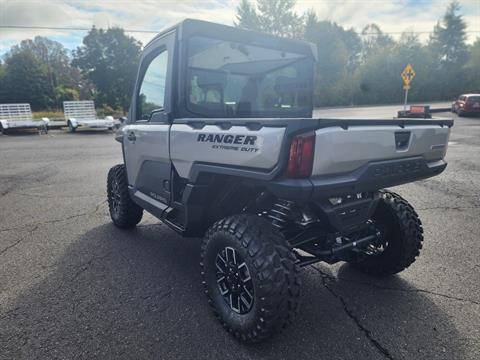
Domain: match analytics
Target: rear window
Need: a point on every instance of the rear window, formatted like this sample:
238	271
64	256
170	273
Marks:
231	79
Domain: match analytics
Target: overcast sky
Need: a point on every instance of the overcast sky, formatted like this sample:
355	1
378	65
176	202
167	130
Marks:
392	15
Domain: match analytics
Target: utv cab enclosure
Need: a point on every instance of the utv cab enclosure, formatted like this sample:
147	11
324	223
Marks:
220	143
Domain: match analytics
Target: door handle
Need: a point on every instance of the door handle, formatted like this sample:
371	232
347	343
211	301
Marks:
131	136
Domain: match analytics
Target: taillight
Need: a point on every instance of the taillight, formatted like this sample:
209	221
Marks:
300	160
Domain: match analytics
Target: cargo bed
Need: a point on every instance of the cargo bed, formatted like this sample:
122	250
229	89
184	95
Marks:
351	154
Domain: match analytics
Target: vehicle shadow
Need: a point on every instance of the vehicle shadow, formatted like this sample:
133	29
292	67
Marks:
22	133
470	116
137	294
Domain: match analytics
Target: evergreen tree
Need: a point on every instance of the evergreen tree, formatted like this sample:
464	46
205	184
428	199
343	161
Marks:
247	16
275	17
448	41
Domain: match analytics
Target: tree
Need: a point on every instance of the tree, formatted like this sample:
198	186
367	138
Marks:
109	58
472	67
338	52
50	53
448	49
52	57
448	41
374	41
2	82
379	77
273	17
26	80
247	17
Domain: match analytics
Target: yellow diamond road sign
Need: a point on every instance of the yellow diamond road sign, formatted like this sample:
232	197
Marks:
408	74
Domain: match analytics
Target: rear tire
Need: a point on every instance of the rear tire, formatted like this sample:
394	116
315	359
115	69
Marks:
402	237
256	295
123	211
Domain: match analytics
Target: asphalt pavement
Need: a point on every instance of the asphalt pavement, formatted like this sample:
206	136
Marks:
72	286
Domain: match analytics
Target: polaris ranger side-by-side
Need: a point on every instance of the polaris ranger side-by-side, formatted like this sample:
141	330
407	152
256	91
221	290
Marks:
220	143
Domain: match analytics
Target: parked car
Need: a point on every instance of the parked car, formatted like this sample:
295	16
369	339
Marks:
467	104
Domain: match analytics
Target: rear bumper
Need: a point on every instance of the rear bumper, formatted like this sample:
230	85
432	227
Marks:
370	177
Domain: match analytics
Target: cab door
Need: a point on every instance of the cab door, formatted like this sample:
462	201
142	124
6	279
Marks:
146	137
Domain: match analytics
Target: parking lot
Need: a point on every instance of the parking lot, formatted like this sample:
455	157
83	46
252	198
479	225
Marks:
74	286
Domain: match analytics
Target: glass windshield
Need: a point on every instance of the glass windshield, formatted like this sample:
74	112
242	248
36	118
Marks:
230	79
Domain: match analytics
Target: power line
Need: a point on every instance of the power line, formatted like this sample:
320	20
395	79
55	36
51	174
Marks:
68	28
24	27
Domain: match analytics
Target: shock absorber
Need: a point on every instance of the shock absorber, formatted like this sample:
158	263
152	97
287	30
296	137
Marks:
279	213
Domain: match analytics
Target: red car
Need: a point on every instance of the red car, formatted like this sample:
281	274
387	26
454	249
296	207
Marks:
467	104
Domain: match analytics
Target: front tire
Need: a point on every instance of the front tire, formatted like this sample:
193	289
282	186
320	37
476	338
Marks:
401	238
250	277
123	211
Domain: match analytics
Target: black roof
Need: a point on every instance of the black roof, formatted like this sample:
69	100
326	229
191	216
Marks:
192	27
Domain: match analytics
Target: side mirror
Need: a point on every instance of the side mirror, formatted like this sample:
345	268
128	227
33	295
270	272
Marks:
160	116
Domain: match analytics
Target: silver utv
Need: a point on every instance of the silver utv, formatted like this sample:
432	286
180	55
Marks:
220	143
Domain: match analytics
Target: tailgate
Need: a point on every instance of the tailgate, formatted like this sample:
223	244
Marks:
345	149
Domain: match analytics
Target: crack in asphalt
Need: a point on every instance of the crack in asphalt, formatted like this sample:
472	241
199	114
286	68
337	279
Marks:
161	295
15	180
51	221
387	288
449	208
53	196
4	250
368	334
34	226
149	225
86	265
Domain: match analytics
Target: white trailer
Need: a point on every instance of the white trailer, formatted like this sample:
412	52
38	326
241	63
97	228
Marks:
82	114
19	116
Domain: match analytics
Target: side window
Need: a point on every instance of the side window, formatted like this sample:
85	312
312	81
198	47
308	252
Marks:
152	91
